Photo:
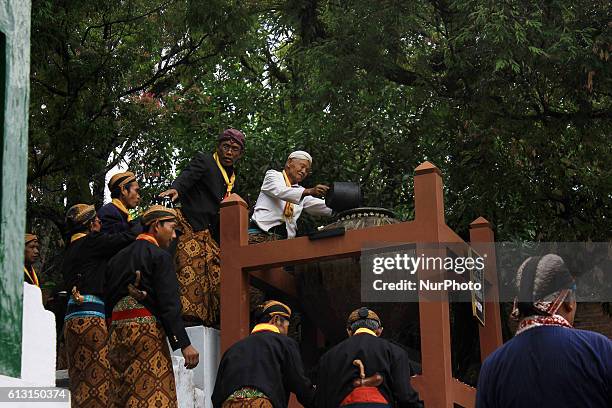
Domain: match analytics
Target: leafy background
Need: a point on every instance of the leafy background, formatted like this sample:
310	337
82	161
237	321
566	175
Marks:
510	99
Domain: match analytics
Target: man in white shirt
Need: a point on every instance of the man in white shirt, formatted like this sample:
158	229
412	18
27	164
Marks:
282	200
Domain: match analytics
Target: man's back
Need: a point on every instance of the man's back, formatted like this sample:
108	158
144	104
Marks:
158	281
113	220
88	257
337	372
267	361
548	366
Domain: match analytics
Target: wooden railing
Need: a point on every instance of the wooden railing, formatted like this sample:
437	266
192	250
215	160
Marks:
436	385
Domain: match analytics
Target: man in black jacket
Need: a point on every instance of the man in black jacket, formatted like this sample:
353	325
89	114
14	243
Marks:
142	293
200	188
263	368
125	193
32	253
365	370
85	331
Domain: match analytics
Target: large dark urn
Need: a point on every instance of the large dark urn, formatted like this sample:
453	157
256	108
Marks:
330	290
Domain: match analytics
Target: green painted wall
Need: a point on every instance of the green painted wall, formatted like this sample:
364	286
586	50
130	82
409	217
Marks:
15	74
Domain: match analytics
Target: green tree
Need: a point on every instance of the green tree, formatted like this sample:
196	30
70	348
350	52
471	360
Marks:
510	99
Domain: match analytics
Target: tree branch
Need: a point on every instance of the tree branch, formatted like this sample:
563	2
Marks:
48	87
124	20
167	67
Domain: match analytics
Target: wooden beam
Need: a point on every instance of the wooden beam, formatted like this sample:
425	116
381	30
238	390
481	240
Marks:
482	240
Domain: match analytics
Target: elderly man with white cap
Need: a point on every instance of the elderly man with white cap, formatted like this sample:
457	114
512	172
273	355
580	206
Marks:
282	200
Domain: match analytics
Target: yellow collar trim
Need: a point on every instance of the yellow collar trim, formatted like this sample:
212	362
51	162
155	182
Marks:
32	275
288	211
229	181
364	330
117	202
148	237
265	327
76	236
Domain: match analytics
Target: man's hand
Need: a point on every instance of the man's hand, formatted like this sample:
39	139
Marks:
317	191
192	357
172	193
133	289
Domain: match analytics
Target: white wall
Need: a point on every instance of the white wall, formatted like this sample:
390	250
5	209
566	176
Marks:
208	343
38	349
38	339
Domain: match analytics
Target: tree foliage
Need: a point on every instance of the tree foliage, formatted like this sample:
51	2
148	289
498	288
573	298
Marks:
512	100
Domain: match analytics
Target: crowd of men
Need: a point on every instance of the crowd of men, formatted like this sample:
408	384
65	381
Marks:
133	283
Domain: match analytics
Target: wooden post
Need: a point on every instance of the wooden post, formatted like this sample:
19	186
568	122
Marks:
491	334
436	385
234	280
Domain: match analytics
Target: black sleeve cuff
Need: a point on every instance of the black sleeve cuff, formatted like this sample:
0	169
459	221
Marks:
179	341
177	185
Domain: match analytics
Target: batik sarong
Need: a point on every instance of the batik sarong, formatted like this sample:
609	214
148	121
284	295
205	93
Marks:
61	359
260	237
86	350
199	274
140	363
247	398
257	235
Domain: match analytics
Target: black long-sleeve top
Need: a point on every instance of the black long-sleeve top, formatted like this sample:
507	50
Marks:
114	220
201	189
158	279
85	260
267	361
336	371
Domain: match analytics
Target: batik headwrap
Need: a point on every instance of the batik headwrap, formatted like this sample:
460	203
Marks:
29	238
273	308
158	213
81	214
361	314
121	179
544	284
232	134
77	218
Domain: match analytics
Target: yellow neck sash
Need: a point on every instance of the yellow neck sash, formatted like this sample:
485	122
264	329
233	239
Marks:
265	327
76	236
229	181
288	211
148	237
364	330
117	202
32	275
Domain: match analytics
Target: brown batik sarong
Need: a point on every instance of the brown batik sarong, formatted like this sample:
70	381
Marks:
61	359
88	366
260	237
140	363
247	403
199	274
